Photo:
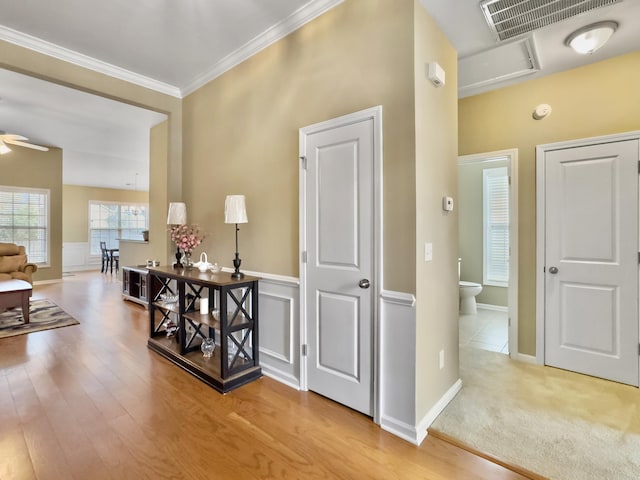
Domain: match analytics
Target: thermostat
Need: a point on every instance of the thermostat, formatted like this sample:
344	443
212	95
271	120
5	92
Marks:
447	204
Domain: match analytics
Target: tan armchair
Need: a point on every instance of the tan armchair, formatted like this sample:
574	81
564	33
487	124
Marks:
13	263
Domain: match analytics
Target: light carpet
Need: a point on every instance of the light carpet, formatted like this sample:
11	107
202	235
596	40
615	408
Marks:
43	313
561	425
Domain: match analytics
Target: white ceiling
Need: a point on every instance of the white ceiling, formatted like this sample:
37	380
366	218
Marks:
175	47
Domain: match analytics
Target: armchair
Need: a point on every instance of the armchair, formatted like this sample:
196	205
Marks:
13	263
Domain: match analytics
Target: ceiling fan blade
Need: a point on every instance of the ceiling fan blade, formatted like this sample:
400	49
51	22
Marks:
24	144
11	136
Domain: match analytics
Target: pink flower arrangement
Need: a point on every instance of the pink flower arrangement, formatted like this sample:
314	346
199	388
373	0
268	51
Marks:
186	237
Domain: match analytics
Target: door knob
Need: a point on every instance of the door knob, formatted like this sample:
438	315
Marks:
364	283
553	270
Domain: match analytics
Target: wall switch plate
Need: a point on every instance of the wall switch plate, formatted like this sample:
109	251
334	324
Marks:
428	251
447	204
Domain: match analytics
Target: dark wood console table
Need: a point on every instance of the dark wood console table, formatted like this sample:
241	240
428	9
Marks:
232	321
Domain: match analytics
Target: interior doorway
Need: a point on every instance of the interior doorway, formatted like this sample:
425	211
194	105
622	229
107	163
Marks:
488	265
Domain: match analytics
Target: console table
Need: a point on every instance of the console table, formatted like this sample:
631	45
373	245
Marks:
176	330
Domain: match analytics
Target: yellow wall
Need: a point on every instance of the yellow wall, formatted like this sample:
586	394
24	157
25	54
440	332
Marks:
75	207
241	133
24	167
598	99
435	176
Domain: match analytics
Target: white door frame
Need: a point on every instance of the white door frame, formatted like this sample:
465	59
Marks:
512	295
541	222
375	114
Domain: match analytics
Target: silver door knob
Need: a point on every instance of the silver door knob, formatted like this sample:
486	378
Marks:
553	270
364	283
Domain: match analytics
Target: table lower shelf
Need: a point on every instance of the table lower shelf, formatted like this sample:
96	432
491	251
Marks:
205	369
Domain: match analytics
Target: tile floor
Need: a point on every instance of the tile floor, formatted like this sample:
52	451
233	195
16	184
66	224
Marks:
487	330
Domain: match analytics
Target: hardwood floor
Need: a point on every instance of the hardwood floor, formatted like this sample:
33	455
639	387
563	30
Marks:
92	402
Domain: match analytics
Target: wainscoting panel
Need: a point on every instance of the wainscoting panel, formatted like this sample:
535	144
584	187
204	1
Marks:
75	257
280	328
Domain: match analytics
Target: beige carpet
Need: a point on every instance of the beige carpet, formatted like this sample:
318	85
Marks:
560	425
43	315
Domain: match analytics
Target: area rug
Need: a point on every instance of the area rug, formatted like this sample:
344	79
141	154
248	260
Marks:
560	425
43	313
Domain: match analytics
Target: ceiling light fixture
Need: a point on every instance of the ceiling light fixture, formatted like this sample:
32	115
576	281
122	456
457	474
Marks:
3	148
587	40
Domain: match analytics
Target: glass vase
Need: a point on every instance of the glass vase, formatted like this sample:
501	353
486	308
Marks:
208	346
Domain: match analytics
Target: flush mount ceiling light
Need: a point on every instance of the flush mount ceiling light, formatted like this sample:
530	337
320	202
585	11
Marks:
587	40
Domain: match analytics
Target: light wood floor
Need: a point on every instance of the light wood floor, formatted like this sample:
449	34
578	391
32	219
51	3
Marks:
92	402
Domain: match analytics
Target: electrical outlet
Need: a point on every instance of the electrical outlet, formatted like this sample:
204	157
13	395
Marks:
441	359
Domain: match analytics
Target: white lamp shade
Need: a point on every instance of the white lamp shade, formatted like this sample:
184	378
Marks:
592	37
177	214
234	209
3	148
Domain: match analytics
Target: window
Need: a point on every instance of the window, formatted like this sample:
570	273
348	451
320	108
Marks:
110	221
24	220
495	186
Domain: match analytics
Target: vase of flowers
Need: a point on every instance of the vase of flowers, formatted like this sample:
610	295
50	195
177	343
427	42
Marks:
186	238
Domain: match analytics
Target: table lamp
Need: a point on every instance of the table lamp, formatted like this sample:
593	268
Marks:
235	212
177	216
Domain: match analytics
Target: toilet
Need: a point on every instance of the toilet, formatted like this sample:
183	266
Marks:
468	292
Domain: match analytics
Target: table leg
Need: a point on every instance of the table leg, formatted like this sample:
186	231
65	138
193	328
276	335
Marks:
25	307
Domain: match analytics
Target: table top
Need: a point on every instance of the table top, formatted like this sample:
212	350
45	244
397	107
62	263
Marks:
220	279
14	285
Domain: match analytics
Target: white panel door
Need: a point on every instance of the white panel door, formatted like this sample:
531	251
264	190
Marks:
339	207
591	264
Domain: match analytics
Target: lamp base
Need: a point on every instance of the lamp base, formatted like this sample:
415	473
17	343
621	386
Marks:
237	275
178	263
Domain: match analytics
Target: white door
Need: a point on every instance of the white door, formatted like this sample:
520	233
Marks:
338	213
591	264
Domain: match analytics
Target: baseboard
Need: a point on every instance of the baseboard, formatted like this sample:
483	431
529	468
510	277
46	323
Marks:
430	417
495	308
521	357
413	434
399	429
48	282
281	377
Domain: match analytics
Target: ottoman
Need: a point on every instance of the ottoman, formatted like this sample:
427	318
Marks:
16	293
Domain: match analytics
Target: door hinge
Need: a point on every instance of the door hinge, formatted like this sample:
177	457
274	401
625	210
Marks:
304	349
638	166
638	257
509	177
509	321
304	256
303	159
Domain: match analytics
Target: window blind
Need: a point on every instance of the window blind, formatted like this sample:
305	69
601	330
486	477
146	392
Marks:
496	226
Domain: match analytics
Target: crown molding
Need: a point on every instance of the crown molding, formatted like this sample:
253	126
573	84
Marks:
297	19
33	43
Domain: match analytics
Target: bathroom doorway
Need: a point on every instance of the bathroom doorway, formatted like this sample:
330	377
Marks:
488	241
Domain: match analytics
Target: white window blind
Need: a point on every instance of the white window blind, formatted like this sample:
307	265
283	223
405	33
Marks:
24	220
496	226
110	221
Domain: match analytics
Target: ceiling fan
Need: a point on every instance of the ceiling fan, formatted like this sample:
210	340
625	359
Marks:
13	139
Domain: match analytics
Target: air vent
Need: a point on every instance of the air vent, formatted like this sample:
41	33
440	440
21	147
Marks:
511	18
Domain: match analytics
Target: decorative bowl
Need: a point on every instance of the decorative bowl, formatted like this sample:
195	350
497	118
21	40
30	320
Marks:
169	298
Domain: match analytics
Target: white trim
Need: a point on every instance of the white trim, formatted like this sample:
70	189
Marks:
541	151
398	298
66	55
297	19
289	358
270	277
48	282
512	295
416	434
374	114
288	380
277	32
521	357
495	308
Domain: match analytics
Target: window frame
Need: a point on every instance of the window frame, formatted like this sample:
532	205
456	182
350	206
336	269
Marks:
119	228
487	272
46	192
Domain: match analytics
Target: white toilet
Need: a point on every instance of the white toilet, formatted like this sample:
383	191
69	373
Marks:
468	292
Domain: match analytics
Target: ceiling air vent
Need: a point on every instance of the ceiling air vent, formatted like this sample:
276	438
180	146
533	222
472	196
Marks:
511	18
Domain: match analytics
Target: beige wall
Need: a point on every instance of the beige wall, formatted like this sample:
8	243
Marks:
24	167
435	176
241	133
470	222
598	99
75	207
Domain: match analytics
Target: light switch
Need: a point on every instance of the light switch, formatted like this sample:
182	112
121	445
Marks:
428	252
